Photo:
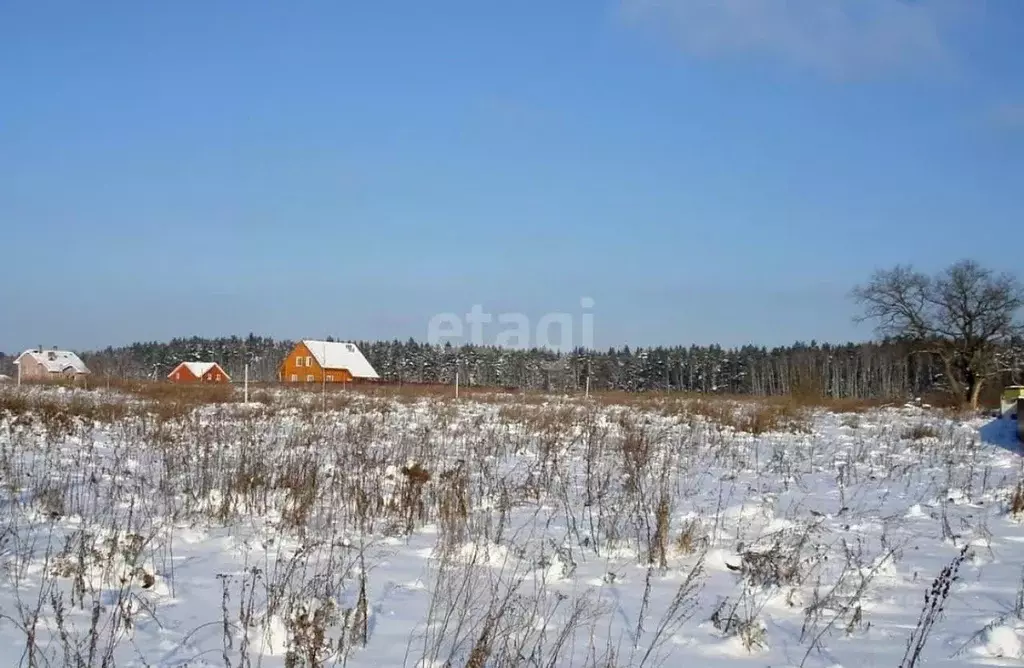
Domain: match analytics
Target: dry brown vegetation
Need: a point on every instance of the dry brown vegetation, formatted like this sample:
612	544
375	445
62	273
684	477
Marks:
713	406
618	472
531	409
1016	505
921	431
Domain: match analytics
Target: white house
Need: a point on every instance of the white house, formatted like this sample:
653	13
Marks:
40	364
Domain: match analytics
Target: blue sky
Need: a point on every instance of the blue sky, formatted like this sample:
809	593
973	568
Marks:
705	172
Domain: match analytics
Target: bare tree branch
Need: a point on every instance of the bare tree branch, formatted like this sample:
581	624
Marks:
966	315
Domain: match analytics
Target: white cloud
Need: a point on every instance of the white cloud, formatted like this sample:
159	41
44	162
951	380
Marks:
837	38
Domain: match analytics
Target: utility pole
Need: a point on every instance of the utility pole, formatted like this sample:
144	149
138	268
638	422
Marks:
249	359
456	377
586	378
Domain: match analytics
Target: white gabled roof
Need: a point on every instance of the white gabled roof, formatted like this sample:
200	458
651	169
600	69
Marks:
56	361
198	369
340	355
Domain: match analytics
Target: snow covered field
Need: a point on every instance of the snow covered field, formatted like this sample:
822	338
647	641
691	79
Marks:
504	533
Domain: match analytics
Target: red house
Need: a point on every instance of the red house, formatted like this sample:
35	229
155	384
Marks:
198	372
326	362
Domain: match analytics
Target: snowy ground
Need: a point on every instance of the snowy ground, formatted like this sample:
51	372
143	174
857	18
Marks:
387	533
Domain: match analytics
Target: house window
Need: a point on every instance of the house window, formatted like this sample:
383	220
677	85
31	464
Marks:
298	361
309	361
295	377
309	378
330	379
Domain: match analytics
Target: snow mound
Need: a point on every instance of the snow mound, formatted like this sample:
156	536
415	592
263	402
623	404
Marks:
1002	642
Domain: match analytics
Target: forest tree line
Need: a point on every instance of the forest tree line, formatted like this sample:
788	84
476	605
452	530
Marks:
854	370
955	331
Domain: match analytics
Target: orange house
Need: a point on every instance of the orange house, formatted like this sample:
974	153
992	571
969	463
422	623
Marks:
325	362
198	372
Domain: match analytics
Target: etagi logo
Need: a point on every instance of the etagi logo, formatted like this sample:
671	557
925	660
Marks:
556	330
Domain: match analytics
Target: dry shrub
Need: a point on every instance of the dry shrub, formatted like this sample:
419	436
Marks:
172	401
310	644
779	559
636	447
854	405
658	549
415	392
721	408
810	393
50	500
196	394
1017	500
934	603
776	417
301	482
651	400
14	403
553	422
453	506
920	431
748	415
97	409
60	415
515	413
56	420
738	617
412	496
691	537
945	400
958	413
341	400
719	411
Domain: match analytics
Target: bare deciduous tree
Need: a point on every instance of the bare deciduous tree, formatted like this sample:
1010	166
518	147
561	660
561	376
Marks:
965	315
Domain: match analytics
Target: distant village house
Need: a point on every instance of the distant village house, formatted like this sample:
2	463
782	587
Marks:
326	362
198	372
40	364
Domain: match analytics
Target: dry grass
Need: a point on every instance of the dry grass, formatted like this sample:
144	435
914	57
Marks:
691	537
1017	500
59	414
614	477
531	410
920	432
56	410
746	415
777	417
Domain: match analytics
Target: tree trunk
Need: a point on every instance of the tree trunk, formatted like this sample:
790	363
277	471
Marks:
975	391
962	391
